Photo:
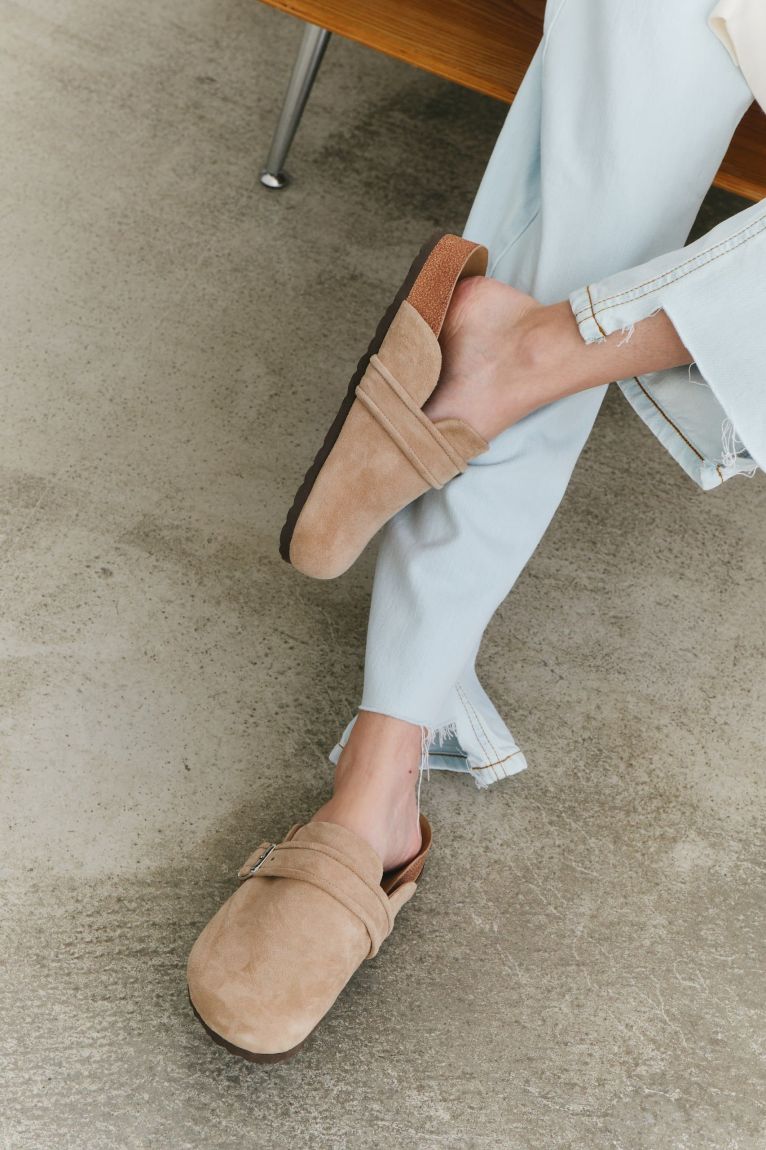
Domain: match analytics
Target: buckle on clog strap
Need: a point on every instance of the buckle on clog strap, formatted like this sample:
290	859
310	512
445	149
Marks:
256	860
328	869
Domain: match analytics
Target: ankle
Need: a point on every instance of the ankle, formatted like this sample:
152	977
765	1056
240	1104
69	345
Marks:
381	745
383	815
389	782
375	788
538	359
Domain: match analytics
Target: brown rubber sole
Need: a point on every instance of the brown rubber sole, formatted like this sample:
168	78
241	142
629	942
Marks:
310	477
240	1051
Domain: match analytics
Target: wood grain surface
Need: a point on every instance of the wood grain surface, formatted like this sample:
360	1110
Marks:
487	45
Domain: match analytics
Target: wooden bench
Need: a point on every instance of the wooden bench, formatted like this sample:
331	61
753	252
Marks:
483	44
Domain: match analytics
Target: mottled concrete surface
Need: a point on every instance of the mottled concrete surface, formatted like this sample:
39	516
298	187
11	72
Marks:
584	965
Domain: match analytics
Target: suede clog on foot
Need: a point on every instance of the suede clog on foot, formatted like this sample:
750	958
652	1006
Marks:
382	451
269	965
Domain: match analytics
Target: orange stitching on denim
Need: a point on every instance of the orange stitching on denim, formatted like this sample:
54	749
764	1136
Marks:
669	420
593	313
691	260
497	763
437	754
672	282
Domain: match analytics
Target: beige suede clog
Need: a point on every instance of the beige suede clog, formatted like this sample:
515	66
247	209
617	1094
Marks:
382	451
270	964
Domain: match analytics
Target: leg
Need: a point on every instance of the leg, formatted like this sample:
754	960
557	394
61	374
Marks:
310	53
621	124
566	190
603	162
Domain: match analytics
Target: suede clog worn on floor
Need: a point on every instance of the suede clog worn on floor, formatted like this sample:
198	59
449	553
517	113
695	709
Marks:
269	965
382	451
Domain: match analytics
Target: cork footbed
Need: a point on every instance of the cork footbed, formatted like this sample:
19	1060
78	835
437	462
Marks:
428	286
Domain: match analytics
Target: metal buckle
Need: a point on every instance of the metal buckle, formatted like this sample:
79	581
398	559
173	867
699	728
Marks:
259	861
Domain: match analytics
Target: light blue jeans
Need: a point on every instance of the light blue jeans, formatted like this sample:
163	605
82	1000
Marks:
606	154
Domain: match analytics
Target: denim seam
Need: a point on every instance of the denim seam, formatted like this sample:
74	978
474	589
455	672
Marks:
666	417
593	315
675	427
497	762
487	735
511	242
454	755
699	260
554	20
482	742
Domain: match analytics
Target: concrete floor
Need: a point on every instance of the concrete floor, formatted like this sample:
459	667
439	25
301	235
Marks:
584	965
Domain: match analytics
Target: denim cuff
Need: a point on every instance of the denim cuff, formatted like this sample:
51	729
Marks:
711	416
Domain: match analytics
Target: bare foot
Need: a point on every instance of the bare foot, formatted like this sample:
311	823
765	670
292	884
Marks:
505	355
375	789
482	340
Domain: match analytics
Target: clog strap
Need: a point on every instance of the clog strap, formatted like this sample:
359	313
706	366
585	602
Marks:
429	451
326	868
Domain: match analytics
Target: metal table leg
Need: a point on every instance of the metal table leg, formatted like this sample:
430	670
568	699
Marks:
304	72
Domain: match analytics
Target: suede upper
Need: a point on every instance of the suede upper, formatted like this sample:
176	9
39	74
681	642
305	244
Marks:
387	452
272	961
